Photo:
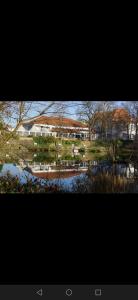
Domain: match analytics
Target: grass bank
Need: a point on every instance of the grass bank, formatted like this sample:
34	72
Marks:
37	144
97	148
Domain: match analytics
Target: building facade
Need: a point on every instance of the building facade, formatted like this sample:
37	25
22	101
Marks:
53	126
119	125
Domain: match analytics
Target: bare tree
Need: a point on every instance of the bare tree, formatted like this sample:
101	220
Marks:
15	112
94	114
105	117
86	113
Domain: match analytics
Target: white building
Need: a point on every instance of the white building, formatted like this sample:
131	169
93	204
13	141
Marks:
132	130
53	126
122	127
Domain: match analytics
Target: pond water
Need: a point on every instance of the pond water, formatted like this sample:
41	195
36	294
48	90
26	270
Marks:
79	174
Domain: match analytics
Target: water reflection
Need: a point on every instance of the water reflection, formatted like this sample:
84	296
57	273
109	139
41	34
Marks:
109	178
77	174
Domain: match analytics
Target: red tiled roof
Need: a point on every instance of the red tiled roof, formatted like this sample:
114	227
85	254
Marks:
121	114
56	121
118	114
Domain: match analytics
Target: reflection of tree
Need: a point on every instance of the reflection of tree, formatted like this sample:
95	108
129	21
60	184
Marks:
105	181
1	167
136	169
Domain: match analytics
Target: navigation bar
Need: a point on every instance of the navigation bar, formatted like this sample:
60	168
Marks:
81	292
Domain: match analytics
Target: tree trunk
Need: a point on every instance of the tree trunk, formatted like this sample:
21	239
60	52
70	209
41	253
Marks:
90	137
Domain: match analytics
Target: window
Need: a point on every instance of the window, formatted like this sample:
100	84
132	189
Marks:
28	127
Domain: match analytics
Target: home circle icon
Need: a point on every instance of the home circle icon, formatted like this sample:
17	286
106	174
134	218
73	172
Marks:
69	292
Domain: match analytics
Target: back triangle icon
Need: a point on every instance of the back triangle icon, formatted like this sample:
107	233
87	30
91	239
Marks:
40	292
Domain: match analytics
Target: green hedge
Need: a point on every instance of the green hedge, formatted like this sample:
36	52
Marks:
40	140
82	150
71	142
95	151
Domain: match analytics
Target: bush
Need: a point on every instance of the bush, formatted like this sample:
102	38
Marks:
67	142
67	157
95	151
120	144
11	185
52	148
76	143
127	144
44	158
82	150
102	143
40	140
70	142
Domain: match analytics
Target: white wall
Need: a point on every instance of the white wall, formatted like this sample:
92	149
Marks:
33	129
21	128
132	129
36	128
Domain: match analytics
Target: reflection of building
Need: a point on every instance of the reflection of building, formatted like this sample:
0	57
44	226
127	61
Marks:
57	175
53	126
130	171
65	169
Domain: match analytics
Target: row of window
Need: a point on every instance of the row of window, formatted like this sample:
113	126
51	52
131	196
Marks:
28	133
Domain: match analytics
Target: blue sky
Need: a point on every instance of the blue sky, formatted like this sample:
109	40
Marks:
71	110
